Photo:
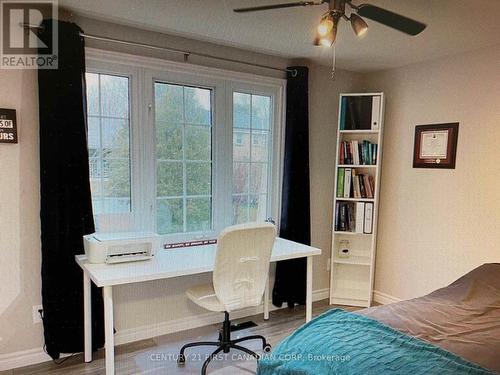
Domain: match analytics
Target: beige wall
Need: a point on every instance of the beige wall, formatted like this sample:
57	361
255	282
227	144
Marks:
323	112
19	210
435	225
150	304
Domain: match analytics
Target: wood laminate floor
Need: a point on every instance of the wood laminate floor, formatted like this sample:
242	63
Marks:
159	355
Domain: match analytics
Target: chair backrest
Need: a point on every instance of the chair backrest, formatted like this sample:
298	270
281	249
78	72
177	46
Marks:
242	264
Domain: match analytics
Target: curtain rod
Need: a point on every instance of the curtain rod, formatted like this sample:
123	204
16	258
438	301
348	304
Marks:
169	49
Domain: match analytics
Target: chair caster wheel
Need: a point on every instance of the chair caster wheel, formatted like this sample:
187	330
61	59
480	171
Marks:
267	348
181	360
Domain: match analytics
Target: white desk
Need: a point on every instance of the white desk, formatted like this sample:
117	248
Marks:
167	264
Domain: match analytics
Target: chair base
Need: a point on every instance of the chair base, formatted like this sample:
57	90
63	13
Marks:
225	344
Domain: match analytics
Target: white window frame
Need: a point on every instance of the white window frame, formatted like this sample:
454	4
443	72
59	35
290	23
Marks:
131	72
142	73
217	86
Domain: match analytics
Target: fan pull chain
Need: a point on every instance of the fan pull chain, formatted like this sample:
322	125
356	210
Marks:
334	61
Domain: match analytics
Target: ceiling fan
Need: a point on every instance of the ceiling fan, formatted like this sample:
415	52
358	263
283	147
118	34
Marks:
326	31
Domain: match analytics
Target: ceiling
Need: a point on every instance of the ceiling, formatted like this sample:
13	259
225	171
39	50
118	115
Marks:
454	26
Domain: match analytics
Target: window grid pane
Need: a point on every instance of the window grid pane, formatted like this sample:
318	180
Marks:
109	143
184	137
251	142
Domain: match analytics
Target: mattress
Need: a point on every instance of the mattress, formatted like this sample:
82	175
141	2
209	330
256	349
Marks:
462	318
343	343
454	330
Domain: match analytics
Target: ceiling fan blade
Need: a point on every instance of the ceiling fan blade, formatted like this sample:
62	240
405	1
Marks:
277	6
391	19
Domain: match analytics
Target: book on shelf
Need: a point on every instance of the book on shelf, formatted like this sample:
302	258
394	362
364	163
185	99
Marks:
351	184
368	219
356	153
355	186
354	217
360	217
340	182
347	182
360	112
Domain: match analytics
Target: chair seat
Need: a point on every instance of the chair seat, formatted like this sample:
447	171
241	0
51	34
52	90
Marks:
204	296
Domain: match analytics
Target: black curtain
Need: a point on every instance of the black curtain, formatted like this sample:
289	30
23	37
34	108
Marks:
66	207
290	281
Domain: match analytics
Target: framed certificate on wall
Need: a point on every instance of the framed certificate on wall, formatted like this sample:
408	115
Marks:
435	146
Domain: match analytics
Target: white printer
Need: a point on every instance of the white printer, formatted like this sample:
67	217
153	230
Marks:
120	247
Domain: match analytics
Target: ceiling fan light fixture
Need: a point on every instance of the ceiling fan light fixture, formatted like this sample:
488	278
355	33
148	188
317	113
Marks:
325	26
358	25
326	40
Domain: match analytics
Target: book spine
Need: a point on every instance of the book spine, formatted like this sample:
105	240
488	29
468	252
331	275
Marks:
351	107
340	183
368	188
352	216
343	106
356	189
347	182
372	184
362	189
343	217
360	216
356	153
337	217
342	153
368	226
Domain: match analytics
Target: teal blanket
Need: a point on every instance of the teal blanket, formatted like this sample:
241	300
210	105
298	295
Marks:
340	342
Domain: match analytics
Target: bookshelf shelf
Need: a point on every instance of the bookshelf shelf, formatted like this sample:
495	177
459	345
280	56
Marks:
356	166
356	260
358	131
356	199
347	233
351	278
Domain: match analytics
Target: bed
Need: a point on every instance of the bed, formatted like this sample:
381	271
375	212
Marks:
454	330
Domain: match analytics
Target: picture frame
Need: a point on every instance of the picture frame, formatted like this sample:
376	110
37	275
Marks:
435	146
8	126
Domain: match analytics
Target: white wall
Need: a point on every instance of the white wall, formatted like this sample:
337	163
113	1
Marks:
19	210
435	225
149	307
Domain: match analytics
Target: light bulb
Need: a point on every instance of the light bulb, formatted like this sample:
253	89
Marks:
325	26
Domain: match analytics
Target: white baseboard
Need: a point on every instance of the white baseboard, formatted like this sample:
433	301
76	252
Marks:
23	358
34	356
384	298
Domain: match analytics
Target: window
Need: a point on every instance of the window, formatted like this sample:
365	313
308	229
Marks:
181	151
183	122
109	142
251	121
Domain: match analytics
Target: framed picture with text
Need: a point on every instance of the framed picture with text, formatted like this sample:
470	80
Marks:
8	126
435	146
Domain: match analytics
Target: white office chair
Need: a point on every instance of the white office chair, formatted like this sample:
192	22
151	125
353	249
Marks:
240	275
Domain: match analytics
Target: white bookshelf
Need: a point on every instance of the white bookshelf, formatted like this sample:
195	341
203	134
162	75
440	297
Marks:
351	279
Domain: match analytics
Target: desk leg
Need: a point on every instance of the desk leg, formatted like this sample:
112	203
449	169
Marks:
108	330
266	299
309	285
87	316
